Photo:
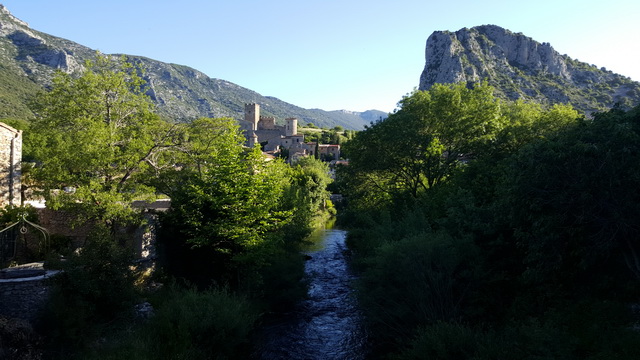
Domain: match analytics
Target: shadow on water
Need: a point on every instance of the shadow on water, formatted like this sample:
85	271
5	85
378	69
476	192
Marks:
328	323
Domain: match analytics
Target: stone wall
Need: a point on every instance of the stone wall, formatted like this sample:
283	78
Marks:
142	238
61	223
10	159
25	297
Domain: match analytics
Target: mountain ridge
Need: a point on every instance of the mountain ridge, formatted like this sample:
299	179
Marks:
29	58
522	68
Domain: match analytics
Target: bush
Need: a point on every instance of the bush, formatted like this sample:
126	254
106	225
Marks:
451	340
208	324
442	340
583	330
94	289
18	340
188	324
416	281
277	282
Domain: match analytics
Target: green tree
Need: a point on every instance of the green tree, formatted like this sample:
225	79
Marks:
309	181
232	203
93	135
226	202
573	201
422	144
528	122
235	217
203	143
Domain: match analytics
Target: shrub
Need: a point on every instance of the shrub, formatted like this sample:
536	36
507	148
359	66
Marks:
416	281
201	325
94	289
442	340
188	324
451	340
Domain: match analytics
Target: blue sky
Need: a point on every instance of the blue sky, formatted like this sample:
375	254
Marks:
332	54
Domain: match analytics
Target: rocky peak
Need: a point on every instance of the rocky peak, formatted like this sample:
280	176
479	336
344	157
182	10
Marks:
5	14
477	53
39	56
520	67
10	25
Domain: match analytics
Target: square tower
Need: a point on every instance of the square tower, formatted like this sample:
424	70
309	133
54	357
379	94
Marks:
252	114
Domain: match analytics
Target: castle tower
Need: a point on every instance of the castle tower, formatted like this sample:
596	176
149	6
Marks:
252	114
291	127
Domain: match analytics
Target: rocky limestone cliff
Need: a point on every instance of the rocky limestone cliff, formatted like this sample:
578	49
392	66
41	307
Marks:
519	67
38	54
29	58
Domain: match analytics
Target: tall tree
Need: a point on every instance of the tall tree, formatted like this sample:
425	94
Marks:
93	136
203	143
233	210
225	195
226	206
527	122
573	201
421	144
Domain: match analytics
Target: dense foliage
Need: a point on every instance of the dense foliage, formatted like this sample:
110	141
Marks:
514	239
481	228
229	243
188	324
92	136
337	135
234	216
95	288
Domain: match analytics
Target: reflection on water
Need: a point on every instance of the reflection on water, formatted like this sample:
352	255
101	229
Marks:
328	324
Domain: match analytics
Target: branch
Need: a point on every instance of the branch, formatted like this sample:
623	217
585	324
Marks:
153	150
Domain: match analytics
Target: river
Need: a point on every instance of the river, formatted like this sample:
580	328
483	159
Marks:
327	324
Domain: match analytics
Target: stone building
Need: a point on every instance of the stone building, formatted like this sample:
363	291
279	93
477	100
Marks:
274	138
326	152
10	159
264	131
329	152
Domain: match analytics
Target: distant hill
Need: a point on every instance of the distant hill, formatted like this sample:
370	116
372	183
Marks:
519	67
29	58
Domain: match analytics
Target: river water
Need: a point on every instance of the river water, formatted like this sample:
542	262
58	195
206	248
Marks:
327	324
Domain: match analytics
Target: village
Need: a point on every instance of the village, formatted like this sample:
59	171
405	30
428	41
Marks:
23	288
278	139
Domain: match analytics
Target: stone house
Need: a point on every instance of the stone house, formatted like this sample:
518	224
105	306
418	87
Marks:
329	151
10	159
